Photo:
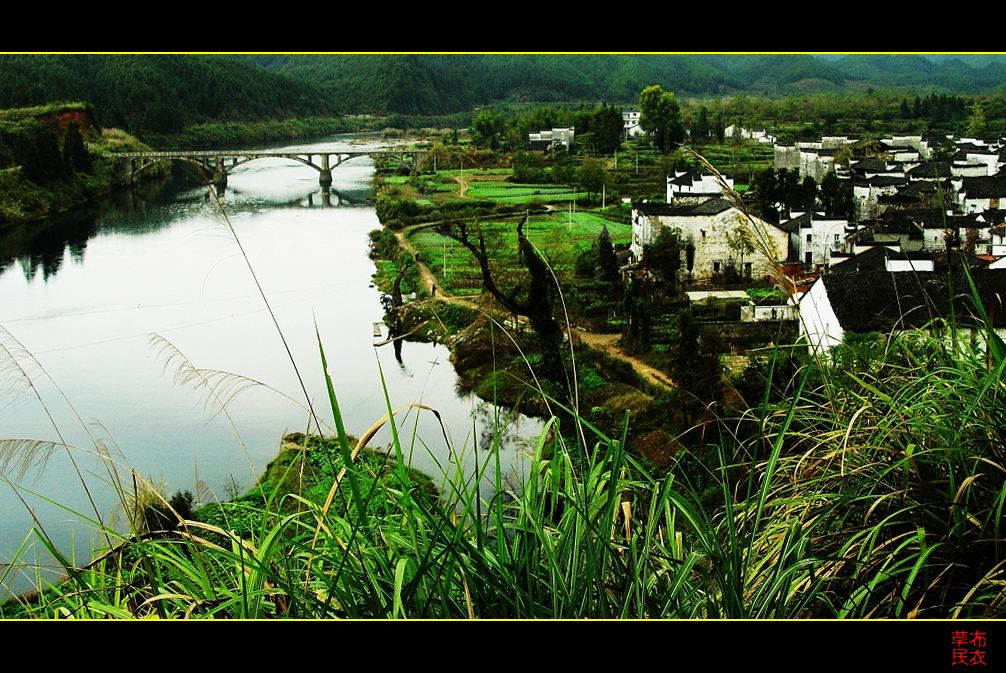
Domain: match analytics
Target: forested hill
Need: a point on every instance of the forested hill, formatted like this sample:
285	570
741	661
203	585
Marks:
158	93
163	94
425	84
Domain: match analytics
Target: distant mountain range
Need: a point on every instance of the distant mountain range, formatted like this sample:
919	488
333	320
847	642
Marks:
165	93
424	84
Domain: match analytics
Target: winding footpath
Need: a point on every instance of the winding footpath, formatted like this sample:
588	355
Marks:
606	343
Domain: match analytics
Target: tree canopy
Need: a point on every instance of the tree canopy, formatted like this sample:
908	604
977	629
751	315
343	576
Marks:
661	117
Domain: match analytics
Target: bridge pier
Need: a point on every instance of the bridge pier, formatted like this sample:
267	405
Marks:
220	175
325	177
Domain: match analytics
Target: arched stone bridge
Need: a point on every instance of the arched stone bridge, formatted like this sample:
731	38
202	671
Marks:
219	163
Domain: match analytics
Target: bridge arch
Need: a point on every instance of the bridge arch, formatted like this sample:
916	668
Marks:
215	163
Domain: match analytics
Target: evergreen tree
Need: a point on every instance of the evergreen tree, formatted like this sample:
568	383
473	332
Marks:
606	127
663	256
696	373
700	130
75	155
836	196
607	261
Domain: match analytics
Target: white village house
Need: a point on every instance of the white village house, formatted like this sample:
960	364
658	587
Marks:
761	135
981	193
712	237
814	237
556	138
887	301
686	185
630	124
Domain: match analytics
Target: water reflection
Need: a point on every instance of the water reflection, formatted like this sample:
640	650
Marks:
83	293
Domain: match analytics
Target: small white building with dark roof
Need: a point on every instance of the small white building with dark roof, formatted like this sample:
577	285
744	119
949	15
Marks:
709	233
885	301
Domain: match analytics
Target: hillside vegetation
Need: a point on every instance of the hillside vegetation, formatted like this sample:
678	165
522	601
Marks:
161	93
54	157
426	84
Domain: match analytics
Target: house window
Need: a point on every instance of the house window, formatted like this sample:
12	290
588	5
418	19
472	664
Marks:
837	240
716	266
703	232
809	236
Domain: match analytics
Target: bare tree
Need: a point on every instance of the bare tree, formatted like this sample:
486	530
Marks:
538	299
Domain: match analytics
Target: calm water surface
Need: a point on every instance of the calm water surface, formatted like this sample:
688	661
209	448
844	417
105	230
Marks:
85	295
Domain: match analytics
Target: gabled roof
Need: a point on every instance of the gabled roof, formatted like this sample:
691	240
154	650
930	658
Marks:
899	226
984	187
684	179
927	218
875	259
871	165
881	301
792	225
710	207
993	216
931	169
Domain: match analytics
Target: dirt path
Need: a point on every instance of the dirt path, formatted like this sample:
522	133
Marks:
600	342
463	190
606	344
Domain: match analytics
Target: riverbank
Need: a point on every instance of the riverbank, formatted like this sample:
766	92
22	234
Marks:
223	135
307	473
38	176
496	355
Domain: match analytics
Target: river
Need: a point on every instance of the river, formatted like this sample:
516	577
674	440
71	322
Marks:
82	297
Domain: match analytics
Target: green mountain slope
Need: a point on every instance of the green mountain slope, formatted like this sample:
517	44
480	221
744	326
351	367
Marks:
157	93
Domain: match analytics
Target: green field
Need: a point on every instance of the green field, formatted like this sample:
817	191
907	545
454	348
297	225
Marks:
475	171
505	192
558	240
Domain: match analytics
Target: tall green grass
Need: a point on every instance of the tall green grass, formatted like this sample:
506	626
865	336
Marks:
875	490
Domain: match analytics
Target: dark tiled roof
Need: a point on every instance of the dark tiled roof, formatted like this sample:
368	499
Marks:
900	199
886	181
898	227
871	164
797	222
984	187
876	259
881	301
994	216
710	207
965	221
931	169
927	218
